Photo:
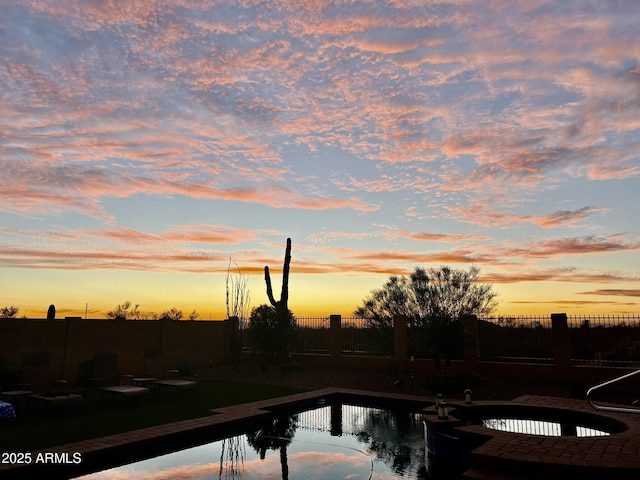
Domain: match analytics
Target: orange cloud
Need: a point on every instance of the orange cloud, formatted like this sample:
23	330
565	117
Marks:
621	292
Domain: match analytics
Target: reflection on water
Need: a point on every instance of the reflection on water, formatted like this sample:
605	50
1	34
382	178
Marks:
331	442
541	427
232	455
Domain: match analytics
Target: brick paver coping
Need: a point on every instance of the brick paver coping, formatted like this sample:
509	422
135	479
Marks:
614	456
620	450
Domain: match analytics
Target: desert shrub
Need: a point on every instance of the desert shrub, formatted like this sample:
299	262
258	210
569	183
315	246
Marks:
271	332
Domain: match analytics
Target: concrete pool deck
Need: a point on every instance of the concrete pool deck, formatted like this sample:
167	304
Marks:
617	455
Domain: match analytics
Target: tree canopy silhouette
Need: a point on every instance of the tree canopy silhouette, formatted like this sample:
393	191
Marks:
434	302
442	291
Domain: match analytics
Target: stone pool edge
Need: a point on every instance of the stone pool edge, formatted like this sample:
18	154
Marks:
119	449
616	455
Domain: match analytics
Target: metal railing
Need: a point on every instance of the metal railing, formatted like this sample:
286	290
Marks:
609	408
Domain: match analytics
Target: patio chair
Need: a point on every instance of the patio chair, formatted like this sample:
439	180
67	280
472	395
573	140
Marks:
153	360
58	394
108	380
38	382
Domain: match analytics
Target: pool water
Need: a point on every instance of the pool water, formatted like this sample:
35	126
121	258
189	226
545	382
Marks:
329	442
539	420
541	427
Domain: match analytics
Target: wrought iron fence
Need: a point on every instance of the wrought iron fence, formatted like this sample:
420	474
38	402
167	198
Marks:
604	339
515	338
312	335
594	339
360	338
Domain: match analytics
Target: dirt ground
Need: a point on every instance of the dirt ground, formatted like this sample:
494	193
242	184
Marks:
381	381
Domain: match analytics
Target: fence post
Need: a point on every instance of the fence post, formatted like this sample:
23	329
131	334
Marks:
335	339
400	342
561	346
471	348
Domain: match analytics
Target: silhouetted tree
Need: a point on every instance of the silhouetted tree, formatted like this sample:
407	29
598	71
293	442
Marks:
171	314
270	331
9	312
51	313
434	302
124	311
274	435
394	436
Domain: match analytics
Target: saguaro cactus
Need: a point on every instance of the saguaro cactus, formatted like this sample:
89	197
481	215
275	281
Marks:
282	305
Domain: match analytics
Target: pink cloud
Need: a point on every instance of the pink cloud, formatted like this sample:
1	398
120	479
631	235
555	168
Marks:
442	237
480	213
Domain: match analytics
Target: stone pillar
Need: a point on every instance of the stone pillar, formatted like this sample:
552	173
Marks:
335	339
400	342
471	350
561	346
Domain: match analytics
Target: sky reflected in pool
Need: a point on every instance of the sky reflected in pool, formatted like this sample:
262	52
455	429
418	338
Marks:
330	442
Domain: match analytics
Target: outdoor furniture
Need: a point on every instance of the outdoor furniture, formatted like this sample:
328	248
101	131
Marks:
37	373
177	384
53	398
6	411
14	396
126	391
125	388
107	379
58	395
143	381
154	361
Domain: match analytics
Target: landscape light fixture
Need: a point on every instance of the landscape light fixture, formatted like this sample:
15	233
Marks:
443	410
467	396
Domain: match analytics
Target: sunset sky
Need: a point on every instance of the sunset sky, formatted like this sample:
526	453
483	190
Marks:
144	143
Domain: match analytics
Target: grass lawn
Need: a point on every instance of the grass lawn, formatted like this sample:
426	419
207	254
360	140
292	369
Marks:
42	426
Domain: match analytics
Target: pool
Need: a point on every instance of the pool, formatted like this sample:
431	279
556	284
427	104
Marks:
328	441
501	436
538	420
